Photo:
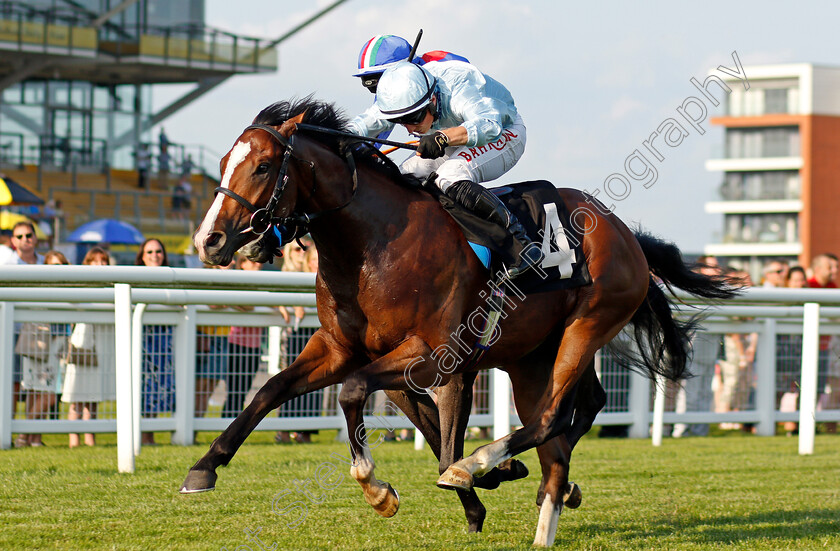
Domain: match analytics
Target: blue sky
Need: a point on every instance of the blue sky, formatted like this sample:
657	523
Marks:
592	80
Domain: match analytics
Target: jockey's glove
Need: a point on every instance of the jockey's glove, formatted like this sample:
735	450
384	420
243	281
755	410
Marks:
433	146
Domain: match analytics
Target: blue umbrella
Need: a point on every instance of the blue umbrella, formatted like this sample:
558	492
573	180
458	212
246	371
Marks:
106	231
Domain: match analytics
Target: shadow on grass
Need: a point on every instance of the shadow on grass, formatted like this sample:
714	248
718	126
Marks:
780	526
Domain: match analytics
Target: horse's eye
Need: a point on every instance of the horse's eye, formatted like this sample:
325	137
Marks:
263	168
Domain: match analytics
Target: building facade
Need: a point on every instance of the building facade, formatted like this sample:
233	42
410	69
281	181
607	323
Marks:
780	167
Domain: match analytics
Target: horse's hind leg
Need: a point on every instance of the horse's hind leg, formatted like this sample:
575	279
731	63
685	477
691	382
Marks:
555	489
419	411
422	411
590	398
582	337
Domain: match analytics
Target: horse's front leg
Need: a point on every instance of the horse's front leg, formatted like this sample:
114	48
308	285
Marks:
387	372
320	364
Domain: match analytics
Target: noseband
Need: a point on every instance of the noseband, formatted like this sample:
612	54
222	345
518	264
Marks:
263	219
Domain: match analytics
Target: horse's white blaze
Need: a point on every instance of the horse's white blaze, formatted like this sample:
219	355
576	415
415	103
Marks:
238	154
547	525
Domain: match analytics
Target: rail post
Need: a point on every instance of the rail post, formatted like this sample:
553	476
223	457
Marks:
184	358
136	372
765	392
7	359
122	336
808	385
500	385
658	411
638	404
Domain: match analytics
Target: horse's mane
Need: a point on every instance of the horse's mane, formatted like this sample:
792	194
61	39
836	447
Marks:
327	115
318	113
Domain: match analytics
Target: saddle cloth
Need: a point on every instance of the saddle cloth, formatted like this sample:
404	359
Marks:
545	218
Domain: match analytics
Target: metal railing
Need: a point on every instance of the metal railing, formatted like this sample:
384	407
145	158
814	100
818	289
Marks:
135	299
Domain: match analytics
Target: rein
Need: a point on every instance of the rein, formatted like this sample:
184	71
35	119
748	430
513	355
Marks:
263	219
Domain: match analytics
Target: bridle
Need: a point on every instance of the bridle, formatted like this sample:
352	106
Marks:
263	219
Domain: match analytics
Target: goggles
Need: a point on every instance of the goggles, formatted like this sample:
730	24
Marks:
411	118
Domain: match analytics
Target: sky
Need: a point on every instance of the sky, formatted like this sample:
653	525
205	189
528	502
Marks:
592	81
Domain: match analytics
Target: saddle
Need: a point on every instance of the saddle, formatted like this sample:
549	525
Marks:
545	217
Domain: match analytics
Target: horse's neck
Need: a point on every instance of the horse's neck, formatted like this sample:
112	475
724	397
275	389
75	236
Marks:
359	234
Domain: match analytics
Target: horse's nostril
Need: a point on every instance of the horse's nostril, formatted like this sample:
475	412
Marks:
214	239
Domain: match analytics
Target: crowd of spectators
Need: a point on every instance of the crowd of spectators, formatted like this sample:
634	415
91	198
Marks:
723	366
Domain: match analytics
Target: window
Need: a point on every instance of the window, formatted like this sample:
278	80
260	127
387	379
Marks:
761	228
751	143
760	186
776	100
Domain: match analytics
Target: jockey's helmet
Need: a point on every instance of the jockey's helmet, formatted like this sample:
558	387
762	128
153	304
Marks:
380	52
403	89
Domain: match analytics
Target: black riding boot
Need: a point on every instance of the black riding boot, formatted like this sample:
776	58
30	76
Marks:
485	204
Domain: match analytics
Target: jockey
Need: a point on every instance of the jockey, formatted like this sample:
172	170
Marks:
384	50
470	132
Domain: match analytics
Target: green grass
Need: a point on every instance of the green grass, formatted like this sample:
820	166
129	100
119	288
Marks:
733	492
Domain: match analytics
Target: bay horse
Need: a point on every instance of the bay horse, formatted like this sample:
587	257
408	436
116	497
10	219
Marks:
396	280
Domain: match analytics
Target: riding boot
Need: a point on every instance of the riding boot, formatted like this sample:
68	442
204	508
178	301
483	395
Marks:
485	204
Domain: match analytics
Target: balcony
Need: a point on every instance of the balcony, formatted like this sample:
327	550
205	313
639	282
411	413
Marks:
756	206
62	44
754	164
753	249
27	30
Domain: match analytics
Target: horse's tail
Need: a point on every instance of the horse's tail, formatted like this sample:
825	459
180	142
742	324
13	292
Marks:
663	343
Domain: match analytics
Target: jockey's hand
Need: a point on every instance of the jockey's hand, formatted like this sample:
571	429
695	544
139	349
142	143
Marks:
433	146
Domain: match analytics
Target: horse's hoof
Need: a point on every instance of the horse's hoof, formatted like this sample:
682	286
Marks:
389	504
514	469
455	478
573	496
199	481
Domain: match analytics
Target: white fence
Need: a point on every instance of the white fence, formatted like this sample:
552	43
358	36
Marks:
135	299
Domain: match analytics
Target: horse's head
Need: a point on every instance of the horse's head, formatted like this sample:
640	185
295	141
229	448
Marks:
274	177
250	195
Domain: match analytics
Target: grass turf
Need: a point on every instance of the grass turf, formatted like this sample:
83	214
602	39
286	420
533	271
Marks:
732	492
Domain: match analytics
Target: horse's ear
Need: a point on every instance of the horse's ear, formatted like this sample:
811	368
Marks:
288	127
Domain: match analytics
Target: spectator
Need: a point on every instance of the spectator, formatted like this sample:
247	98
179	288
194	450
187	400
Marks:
775	273
158	375
797	279
143	159
737	366
824	276
6	252
187	167
91	373
24	242
244	353
824	272
789	359
296	259
695	394
181	203
22	251
41	373
212	359
163	141
163	169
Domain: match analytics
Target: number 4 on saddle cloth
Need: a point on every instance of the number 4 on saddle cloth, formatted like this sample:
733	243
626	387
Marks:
546	220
